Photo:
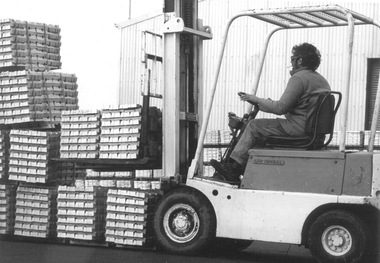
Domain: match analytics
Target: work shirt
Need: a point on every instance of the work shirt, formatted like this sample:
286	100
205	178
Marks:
294	101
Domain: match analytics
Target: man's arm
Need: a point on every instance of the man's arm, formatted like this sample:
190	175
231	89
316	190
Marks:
288	100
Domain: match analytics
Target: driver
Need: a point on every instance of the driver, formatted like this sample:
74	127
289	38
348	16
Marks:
304	82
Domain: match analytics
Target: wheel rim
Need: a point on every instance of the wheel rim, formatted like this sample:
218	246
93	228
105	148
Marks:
336	240
181	223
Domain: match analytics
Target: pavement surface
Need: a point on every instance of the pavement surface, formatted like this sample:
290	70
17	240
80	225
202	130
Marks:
12	251
32	251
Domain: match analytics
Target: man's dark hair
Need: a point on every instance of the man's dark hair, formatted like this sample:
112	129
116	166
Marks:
311	58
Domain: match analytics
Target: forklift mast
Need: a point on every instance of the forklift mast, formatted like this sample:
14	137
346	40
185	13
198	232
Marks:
182	84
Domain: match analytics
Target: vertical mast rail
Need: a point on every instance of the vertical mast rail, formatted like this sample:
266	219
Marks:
346	84
375	115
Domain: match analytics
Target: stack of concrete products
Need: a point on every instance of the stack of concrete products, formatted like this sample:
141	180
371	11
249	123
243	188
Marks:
33	46
80	133
120	132
81	213
212	151
212	137
31	154
208	154
225	136
68	173
27	96
36	209
4	154
225	140
122	179
148	179
129	217
138	179
212	141
7	208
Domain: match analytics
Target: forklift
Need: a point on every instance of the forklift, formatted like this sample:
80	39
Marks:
326	200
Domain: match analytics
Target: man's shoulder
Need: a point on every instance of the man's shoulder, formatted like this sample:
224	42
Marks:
307	74
303	72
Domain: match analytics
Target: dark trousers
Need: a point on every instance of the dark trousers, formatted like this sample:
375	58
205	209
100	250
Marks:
254	134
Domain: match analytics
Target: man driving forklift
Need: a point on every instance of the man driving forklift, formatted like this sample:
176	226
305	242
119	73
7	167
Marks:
293	104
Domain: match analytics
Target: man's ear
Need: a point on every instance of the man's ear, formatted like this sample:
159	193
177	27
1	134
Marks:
299	61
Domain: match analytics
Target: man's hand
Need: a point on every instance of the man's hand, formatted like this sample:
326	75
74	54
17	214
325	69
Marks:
231	114
248	97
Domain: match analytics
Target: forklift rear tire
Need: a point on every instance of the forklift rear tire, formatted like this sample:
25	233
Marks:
184	222
337	236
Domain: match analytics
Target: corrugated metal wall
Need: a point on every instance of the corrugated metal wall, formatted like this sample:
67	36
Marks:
133	45
242	52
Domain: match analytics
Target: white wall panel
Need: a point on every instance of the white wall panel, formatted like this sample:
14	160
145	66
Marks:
131	54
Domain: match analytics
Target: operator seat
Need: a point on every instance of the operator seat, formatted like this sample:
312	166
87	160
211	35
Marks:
320	122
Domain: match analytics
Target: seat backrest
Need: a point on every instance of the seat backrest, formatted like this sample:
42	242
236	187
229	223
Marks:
321	114
326	117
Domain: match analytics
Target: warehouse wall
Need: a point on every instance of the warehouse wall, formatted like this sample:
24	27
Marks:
131	56
245	41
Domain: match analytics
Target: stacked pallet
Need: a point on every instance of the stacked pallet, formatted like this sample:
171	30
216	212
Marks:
213	140
4	154
7	208
91	174
129	217
27	96
150	173
212	137
81	213
147	185
95	183
31	45
36	209
68	173
31	154
80	133
212	153
121	179
225	136
120	132
113	133
139	179
148	179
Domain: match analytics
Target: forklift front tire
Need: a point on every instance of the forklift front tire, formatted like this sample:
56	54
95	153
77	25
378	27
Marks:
184	222
337	236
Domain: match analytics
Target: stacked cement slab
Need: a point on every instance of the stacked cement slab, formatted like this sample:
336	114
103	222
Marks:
129	217
4	154
33	46
7	208
36	210
31	154
120	132
81	213
27	96
80	133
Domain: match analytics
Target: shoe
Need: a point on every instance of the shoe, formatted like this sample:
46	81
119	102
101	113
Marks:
220	178
230	171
